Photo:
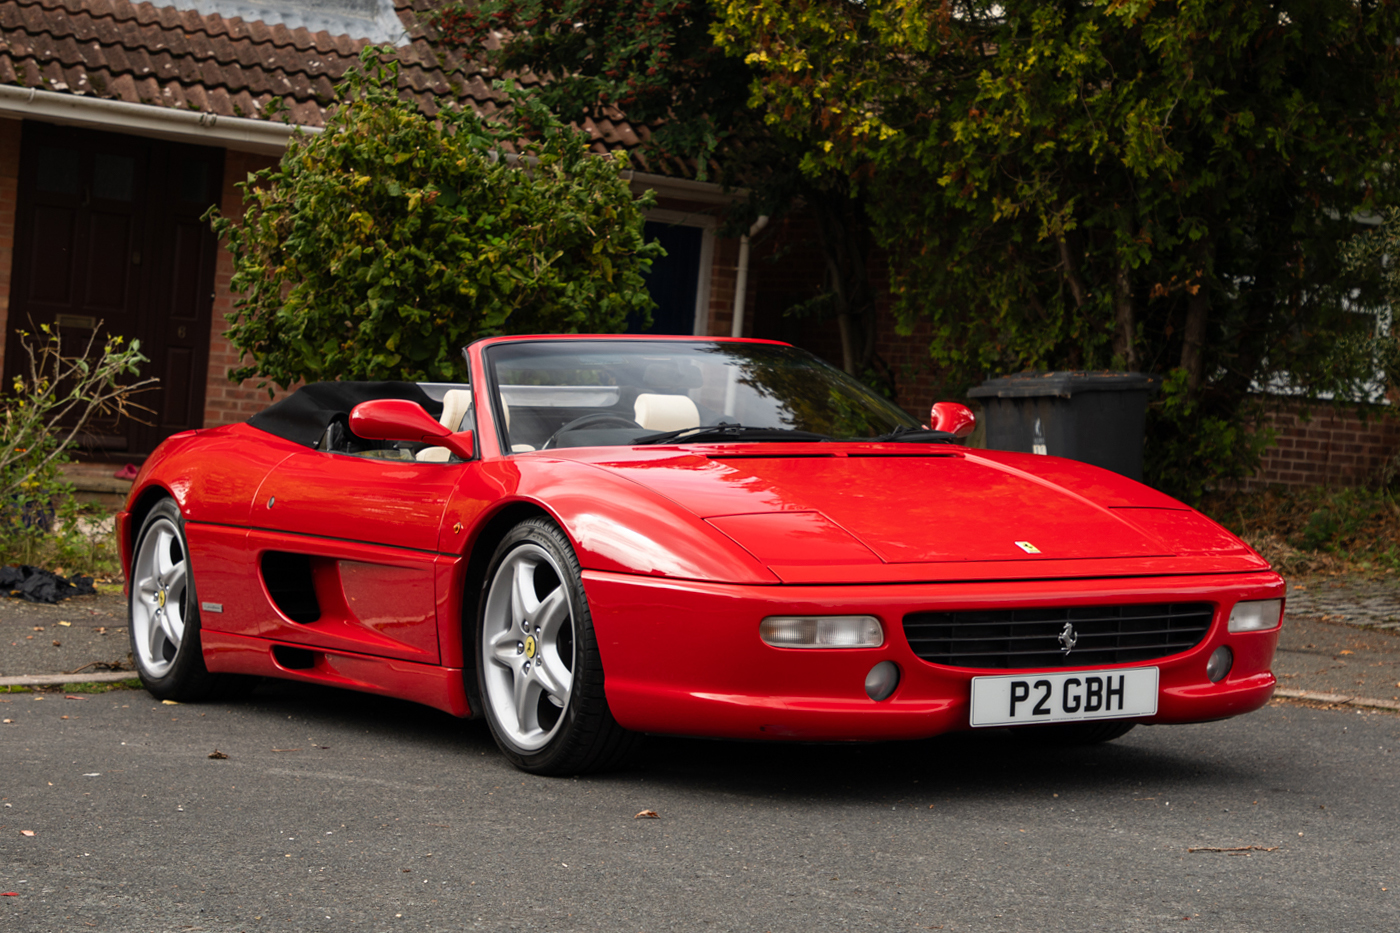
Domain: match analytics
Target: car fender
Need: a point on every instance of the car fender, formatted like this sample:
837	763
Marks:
614	524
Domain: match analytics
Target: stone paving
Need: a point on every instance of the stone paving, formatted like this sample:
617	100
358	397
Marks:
1353	600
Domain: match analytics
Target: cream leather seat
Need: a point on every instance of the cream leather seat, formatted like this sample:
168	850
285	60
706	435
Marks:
665	412
456	415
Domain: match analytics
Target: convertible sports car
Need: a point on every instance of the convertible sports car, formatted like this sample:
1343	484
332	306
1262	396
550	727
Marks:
600	537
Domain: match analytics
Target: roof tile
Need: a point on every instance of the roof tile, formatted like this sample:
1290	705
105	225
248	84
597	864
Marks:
156	54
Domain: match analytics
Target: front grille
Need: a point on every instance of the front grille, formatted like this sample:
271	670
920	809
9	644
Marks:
1015	638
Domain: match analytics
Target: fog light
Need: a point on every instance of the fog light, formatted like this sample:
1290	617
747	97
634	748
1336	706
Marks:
822	632
1221	660
1256	615
882	680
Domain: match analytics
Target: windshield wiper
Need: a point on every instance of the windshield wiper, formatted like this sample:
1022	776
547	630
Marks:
724	431
916	436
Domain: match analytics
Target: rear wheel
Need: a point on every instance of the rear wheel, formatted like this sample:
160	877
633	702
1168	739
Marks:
537	660
163	614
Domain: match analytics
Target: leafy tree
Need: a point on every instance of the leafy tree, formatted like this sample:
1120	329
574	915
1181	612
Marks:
656	63
378	248
1161	185
1376	251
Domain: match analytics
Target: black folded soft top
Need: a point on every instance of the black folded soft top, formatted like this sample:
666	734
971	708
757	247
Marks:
303	416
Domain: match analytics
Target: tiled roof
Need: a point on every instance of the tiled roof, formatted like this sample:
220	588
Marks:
162	56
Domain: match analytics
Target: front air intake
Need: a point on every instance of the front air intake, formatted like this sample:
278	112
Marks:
1037	637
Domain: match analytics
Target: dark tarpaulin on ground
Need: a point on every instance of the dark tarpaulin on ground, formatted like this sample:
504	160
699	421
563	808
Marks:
38	585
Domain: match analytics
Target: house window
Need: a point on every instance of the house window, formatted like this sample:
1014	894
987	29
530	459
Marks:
679	282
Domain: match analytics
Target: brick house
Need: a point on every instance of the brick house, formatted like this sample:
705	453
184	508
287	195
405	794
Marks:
121	123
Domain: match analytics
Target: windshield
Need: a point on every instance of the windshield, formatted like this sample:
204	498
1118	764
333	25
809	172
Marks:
573	393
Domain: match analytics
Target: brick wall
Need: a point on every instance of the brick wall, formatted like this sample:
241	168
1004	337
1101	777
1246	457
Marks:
1334	447
225	402
9	191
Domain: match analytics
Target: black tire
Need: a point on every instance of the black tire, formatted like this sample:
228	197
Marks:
163	615
1075	733
539	675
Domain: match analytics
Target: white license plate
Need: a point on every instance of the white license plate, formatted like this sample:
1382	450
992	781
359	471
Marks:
1069	696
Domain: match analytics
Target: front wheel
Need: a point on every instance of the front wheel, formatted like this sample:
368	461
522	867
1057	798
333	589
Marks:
163	613
537	660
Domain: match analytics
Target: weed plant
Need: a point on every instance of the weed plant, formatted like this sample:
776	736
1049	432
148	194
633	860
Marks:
1321	529
42	417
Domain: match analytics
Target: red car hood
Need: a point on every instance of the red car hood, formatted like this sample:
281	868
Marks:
852	506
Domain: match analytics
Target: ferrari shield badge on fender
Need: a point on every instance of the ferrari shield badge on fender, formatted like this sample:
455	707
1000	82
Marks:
1028	547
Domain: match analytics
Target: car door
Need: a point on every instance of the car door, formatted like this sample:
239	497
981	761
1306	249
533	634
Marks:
345	551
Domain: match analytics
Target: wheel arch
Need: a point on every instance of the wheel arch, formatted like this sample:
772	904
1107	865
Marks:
140	508
491	531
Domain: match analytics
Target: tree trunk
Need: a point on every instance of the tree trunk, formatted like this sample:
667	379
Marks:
1071	273
1197	313
845	237
1124	319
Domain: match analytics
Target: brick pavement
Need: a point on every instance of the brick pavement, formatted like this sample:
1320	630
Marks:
1354	600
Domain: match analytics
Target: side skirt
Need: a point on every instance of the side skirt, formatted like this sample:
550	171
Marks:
439	687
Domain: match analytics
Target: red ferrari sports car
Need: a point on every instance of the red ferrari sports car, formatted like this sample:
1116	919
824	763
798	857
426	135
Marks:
600	537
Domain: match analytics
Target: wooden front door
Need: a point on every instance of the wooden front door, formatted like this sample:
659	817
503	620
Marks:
108	235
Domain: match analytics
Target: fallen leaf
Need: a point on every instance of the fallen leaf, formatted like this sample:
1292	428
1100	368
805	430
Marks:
647	815
217	754
26	832
9	720
70	696
16	893
38	628
171	702
57	643
1344	652
66	624
63	717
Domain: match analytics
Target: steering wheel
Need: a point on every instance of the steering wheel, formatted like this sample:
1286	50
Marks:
591	420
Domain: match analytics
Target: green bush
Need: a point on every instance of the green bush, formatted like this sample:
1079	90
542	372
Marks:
1191	448
380	247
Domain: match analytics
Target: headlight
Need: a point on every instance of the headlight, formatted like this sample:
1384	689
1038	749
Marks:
1256	615
822	632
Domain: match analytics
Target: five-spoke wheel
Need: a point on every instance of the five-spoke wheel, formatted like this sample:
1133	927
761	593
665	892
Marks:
539	673
158	576
163	614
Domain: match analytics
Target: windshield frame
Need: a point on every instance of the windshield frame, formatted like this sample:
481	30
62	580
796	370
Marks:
870	403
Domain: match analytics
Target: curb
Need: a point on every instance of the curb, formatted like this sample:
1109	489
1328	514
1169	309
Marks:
1340	699
58	680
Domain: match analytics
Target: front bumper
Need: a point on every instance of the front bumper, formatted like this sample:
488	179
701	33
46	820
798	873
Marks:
686	658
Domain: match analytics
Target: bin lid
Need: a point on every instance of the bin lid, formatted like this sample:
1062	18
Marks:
1062	384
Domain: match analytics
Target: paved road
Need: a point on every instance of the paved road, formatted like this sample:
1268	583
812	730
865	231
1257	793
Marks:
335	811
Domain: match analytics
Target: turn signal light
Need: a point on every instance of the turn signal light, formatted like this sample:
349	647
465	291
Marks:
822	632
1256	615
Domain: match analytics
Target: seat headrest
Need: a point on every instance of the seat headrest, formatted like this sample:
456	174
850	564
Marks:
456	407
666	412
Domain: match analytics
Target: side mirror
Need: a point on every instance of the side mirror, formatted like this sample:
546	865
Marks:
396	419
958	420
